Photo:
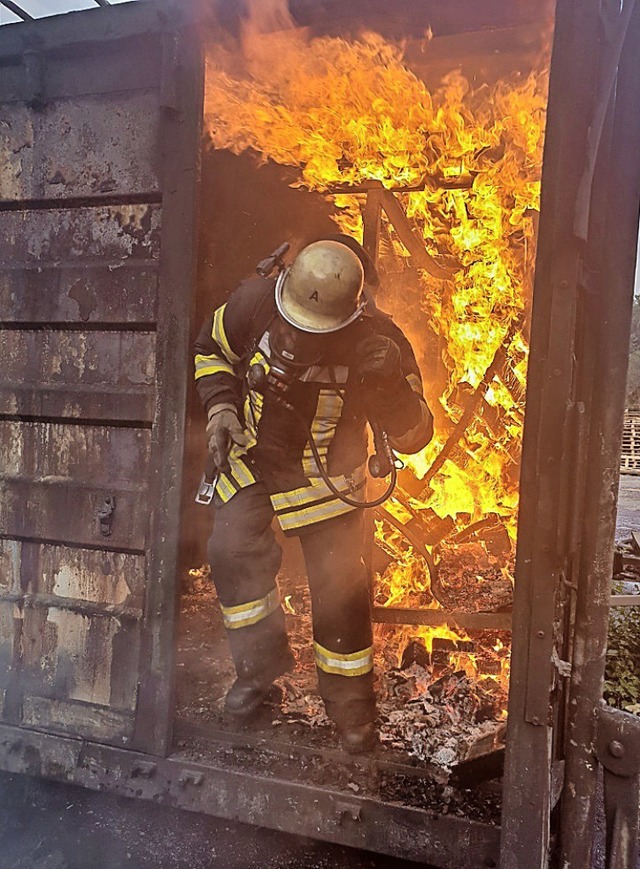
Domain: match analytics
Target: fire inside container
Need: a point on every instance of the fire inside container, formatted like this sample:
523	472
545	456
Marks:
416	127
430	154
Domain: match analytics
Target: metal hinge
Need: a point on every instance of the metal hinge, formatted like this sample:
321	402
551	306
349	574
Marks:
618	750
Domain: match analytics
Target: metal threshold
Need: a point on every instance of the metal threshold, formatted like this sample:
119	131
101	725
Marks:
294	807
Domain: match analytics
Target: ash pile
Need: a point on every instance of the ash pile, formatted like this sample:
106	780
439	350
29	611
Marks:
440	700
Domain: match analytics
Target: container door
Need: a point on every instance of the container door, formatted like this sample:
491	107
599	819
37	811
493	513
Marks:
99	142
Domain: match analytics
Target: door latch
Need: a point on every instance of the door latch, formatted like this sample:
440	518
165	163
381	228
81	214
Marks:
104	515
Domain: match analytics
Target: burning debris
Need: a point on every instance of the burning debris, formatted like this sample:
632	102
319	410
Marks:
442	722
440	701
445	721
472	579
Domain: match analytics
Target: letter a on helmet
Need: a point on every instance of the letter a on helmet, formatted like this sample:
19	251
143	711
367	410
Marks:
322	290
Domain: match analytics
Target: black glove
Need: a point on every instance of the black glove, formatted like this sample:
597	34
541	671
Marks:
223	430
378	357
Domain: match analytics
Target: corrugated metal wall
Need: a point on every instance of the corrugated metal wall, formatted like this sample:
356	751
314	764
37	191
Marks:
82	258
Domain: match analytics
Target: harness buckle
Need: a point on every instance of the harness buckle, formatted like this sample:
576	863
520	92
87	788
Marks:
206	490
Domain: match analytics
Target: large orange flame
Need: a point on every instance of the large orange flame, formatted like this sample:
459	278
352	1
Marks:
354	113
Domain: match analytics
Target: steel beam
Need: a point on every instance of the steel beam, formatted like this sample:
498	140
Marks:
542	558
179	138
472	621
13	7
290	806
610	289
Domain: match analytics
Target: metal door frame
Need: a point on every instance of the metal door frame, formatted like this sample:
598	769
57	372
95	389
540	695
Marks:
573	425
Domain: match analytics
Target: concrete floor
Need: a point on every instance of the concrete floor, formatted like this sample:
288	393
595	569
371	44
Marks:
628	506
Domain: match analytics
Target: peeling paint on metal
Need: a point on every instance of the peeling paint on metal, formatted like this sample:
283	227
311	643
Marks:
71	580
94	144
9	565
90	674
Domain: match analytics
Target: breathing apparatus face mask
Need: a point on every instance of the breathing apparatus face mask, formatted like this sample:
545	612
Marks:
292	351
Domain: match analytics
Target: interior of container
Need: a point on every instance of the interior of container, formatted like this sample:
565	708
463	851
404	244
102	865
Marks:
435	118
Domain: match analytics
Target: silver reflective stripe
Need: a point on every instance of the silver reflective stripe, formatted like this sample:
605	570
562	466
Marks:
354	664
335	374
414	382
264	344
252	612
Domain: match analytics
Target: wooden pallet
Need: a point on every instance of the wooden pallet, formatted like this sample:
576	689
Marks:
630	456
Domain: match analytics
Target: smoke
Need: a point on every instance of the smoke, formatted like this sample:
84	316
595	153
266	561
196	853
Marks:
265	30
267	16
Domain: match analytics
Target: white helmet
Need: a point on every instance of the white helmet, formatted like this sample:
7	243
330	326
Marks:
322	289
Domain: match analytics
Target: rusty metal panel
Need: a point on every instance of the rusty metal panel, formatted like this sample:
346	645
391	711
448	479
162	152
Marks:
65	669
90	375
98	723
60	510
55	478
81	147
69	574
83	454
99	150
108	69
121	293
91	31
111	233
71	656
9	584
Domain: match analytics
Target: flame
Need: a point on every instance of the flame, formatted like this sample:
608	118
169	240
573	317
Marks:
353	114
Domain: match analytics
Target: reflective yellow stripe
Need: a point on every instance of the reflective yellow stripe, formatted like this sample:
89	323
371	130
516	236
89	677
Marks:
318	489
310	515
415	383
323	427
224	488
251	420
259	358
254	402
212	365
220	336
246	614
355	664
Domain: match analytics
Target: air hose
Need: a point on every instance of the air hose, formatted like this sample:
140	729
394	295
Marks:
382	446
276	384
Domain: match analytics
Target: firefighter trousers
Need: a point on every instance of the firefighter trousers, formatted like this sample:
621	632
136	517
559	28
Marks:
245	559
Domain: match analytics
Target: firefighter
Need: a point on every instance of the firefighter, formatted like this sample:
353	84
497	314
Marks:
284	361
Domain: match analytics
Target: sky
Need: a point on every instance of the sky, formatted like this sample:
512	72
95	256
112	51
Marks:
40	8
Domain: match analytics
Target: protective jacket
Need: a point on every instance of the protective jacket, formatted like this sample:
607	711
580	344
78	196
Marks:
330	396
